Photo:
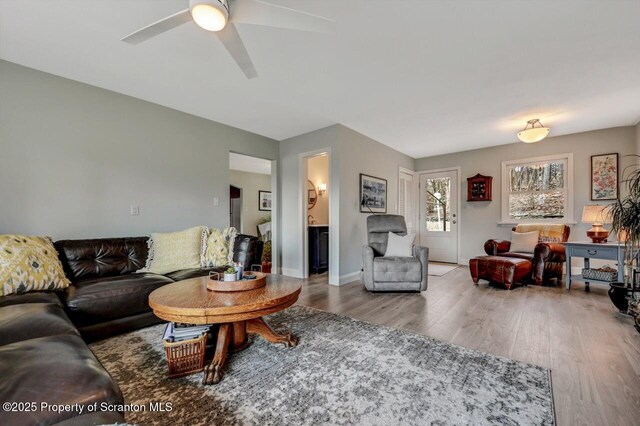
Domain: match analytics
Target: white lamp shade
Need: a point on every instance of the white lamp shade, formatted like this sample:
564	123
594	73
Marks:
533	135
596	214
209	14
322	186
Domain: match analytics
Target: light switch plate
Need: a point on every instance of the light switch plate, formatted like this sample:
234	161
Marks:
216	201
135	210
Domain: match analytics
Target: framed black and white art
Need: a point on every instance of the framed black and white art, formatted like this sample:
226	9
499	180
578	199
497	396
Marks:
264	201
373	194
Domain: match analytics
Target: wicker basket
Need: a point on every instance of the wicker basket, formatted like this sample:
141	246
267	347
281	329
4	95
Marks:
186	357
596	274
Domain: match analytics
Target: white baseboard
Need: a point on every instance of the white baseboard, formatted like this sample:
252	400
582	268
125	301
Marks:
348	278
295	273
333	280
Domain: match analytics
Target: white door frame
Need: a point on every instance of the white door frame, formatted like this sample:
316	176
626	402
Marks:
458	171
275	239
275	212
334	240
414	191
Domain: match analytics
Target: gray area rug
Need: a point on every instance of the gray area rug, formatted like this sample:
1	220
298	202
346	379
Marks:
343	372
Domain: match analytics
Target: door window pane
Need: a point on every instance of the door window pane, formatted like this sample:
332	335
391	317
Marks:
437	195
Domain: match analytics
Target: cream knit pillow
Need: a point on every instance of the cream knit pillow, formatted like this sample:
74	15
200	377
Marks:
524	242
173	251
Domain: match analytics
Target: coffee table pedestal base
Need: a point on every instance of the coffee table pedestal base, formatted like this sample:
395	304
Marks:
232	337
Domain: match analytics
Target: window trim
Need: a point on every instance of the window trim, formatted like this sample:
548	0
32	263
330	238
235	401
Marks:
568	219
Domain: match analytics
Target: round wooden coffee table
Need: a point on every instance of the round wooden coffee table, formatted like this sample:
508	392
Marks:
238	313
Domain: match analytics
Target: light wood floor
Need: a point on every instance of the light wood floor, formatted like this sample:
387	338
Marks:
593	352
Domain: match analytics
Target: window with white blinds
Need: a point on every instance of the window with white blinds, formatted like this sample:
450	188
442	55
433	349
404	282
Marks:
405	199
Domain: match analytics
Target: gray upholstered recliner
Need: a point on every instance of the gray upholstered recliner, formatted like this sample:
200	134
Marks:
392	273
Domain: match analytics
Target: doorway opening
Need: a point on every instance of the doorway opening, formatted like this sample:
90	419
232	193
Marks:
439	215
252	201
235	207
317	201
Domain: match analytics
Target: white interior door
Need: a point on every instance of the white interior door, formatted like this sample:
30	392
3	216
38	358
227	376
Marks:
438	224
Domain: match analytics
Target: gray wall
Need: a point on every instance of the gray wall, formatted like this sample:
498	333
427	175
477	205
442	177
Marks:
291	193
351	154
250	183
362	154
638	139
75	157
479	221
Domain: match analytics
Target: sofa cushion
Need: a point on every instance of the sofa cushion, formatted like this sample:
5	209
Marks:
101	299
524	242
247	251
219	250
397	269
513	254
172	251
29	264
33	320
33	297
185	274
55	370
102	257
547	232
399	245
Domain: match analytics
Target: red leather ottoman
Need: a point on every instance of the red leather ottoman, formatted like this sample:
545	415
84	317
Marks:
503	270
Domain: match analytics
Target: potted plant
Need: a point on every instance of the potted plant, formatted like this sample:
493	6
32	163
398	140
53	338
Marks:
625	221
230	274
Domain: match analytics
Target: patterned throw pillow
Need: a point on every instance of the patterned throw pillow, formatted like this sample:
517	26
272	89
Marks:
173	251
29	264
548	233
220	247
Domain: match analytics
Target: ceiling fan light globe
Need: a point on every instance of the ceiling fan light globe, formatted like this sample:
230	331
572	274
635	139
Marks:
533	135
210	15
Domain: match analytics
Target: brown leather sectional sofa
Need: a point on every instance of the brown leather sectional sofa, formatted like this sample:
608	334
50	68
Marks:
44	358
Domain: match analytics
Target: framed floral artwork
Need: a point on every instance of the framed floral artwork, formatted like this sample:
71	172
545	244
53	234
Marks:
604	177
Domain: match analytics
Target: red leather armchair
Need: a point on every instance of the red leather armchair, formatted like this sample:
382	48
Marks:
547	259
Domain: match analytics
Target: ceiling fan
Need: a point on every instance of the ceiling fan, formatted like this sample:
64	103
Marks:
217	16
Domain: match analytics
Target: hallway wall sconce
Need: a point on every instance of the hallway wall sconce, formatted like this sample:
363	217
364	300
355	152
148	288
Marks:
322	188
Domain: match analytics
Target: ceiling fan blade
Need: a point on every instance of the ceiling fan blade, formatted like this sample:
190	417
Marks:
234	45
259	12
158	27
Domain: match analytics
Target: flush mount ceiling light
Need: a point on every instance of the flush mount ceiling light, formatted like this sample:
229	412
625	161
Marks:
533	132
212	15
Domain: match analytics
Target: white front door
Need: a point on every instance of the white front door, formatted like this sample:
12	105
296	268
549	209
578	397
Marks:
439	215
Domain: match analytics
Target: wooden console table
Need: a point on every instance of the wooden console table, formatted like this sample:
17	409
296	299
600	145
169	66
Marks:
588	250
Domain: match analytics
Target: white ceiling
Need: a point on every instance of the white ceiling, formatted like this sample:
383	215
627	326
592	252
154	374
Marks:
245	163
424	77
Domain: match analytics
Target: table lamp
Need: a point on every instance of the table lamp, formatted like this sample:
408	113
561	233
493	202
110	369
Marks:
596	215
